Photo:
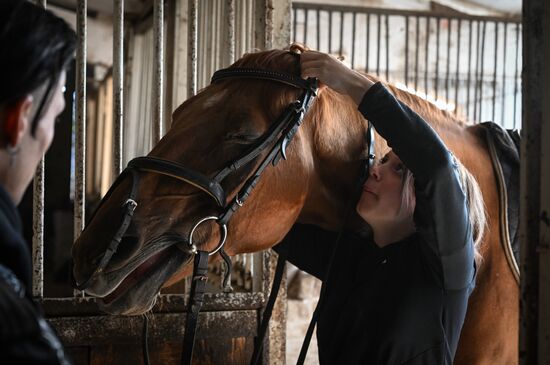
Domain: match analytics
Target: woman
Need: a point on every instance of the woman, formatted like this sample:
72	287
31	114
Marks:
400	296
35	48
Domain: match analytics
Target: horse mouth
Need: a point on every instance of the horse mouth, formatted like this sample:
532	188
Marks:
137	292
135	276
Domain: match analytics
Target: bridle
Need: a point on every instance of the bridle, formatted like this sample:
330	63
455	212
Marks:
277	138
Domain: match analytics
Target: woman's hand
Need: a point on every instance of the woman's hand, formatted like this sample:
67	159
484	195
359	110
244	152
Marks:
334	74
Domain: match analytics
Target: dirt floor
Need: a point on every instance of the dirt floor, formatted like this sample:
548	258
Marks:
303	292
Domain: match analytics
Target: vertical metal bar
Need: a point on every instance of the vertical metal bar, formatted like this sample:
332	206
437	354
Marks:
503	87
231	31
387	23
192	48
38	222
427	59
378	44
516	77
318	16
118	81
341	34
158	72
367	46
470	49
495	73
330	32
417	53
447	75
406	50
476	85
457	81
80	147
306	13
437	31
295	24
354	14
481	70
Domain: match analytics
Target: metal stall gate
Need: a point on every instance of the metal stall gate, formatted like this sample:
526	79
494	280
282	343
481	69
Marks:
158	61
466	64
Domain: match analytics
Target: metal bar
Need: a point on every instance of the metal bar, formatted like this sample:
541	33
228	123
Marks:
406	68
192	48
367	45
215	45
516	75
476	85
341	34
80	147
447	75
382	11
503	87
295	24
318	16
387	23
118	82
481	71
457	82
158	70
305	26
330	32
426	59
354	20
378	44
469	69
495	73
417	52
436	80
38	222
231	31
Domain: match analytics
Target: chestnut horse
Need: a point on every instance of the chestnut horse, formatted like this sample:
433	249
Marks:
312	186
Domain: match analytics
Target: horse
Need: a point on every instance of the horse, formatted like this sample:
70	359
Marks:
312	186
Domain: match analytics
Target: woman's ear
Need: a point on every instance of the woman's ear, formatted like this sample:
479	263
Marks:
18	120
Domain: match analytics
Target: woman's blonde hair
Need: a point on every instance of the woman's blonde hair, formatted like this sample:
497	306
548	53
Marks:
474	201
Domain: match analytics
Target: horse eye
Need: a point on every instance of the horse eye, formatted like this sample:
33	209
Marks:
241	137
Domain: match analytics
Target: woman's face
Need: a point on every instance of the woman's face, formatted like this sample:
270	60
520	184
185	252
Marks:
380	201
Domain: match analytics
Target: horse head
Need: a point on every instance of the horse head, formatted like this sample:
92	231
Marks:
209	131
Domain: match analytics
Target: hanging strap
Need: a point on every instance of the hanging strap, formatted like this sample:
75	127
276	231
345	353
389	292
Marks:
196	298
259	342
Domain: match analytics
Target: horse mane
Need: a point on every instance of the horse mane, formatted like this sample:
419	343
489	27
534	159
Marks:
430	112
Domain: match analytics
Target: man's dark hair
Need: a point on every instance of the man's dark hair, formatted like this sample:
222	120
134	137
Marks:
35	47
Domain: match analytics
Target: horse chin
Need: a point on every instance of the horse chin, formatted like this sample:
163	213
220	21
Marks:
137	294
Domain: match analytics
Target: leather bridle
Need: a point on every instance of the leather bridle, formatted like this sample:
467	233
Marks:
277	138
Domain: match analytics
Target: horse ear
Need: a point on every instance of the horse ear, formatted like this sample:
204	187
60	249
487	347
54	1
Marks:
298	48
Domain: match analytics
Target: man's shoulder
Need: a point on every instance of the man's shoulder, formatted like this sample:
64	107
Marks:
18	314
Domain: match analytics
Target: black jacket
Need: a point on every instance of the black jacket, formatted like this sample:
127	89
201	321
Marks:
25	336
404	303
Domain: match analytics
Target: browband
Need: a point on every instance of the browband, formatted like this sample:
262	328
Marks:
252	73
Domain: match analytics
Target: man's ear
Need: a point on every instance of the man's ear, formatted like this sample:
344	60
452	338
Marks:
18	119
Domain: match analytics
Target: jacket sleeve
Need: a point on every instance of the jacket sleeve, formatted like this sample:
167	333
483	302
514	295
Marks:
25	336
441	213
309	248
